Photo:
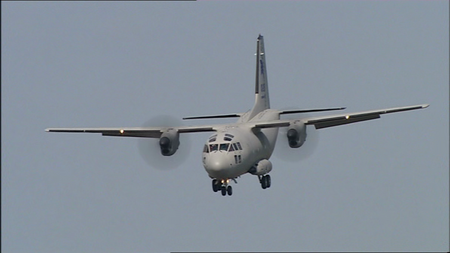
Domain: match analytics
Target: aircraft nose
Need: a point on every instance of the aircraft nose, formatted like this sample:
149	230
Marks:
217	164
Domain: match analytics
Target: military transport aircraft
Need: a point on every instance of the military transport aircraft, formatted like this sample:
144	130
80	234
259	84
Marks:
245	146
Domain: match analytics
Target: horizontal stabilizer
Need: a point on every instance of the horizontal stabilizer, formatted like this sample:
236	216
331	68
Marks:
312	110
234	115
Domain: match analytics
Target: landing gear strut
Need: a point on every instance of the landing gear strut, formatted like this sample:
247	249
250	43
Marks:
222	186
265	181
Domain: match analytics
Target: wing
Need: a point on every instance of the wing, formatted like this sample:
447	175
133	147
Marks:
340	119
148	132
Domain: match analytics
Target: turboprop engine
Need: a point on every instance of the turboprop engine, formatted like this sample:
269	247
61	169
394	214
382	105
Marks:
169	142
296	134
262	167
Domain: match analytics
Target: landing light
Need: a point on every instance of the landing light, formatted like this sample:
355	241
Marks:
347	117
121	131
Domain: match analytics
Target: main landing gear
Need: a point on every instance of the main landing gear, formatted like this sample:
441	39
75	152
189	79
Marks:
222	186
265	181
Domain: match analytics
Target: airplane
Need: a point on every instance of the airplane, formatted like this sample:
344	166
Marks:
243	147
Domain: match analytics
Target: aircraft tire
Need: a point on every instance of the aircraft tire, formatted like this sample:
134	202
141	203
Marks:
229	190
224	191
263	182
215	185
268	181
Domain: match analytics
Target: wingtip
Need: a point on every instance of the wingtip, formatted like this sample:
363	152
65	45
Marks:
425	106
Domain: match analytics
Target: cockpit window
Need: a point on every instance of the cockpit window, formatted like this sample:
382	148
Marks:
239	145
212	138
228	137
213	147
231	148
235	146
224	146
205	149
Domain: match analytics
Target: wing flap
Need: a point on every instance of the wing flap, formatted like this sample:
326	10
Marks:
344	121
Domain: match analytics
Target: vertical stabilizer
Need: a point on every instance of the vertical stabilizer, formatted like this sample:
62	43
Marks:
261	87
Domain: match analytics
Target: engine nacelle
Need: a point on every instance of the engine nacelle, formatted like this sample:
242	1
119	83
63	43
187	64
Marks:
169	142
296	134
262	167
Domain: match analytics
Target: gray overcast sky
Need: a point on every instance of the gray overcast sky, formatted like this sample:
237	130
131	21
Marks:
381	185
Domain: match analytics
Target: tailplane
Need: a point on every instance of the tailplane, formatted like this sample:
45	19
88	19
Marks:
261	87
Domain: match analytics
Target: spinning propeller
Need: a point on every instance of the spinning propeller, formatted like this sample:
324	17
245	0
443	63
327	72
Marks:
282	149
150	150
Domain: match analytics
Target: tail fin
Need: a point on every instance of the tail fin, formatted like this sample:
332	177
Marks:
261	87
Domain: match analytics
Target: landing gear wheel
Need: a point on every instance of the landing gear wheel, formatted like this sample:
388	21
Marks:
215	185
265	181
224	190
229	190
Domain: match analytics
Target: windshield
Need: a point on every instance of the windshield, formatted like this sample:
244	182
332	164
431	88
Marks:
213	147
224	146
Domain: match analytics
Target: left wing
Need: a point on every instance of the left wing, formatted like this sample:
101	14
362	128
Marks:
148	132
340	119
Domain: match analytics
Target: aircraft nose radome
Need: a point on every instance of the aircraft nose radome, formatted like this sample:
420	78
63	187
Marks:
217	165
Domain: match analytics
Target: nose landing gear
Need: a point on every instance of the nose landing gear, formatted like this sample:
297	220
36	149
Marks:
222	186
215	185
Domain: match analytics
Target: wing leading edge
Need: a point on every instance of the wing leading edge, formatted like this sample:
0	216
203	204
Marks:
340	119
